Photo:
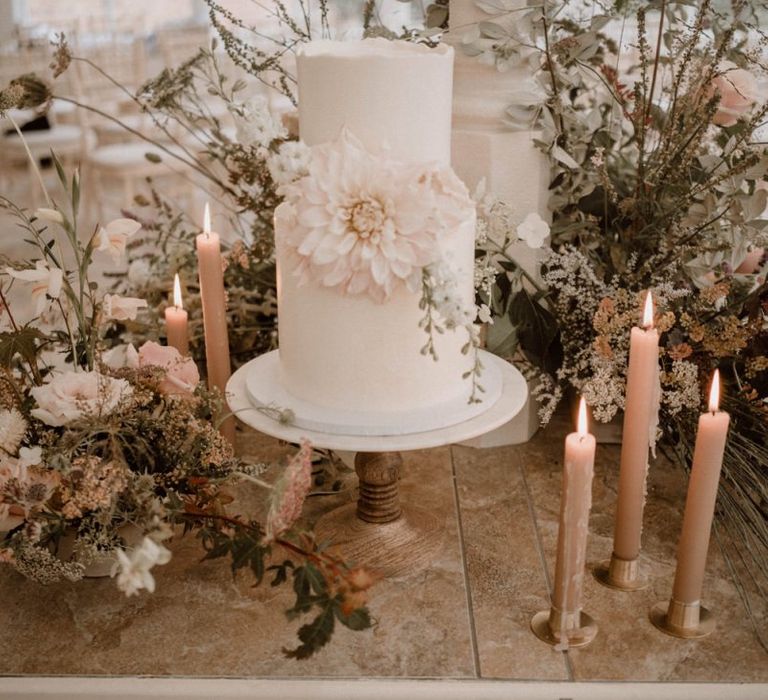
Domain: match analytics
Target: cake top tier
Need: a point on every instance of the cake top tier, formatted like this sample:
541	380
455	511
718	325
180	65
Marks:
371	47
392	94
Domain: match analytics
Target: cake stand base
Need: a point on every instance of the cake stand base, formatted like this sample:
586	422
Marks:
376	532
392	549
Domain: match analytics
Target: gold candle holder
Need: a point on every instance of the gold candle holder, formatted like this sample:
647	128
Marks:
550	625
620	574
684	620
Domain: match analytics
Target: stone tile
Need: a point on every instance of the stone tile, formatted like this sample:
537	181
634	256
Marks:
504	567
628	647
202	622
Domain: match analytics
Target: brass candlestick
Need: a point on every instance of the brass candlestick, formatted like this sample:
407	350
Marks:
620	574
684	620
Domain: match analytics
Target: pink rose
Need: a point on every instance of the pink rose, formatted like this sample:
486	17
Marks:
738	92
181	375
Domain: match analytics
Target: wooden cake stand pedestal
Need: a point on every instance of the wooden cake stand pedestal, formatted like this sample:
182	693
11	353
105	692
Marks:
379	531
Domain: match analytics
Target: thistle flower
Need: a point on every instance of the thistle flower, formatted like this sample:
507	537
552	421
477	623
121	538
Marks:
12	429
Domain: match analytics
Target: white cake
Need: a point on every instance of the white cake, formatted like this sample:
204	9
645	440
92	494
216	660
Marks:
377	115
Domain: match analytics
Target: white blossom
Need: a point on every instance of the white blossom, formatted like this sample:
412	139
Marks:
133	570
484	314
73	395
119	308
447	297
46	282
30	456
533	230
113	237
289	163
121	356
254	123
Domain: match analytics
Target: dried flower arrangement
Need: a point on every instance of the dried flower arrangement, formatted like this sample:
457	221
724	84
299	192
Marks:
659	183
106	452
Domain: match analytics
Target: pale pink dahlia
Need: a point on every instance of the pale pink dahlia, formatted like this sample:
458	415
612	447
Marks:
365	223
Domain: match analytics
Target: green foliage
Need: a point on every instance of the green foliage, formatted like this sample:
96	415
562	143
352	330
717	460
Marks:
244	545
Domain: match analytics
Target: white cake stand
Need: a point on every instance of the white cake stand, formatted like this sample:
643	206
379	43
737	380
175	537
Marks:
377	532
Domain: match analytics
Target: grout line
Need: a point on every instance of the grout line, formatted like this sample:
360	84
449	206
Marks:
540	548
465	570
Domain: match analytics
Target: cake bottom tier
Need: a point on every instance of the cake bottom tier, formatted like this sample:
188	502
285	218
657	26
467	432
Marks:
266	391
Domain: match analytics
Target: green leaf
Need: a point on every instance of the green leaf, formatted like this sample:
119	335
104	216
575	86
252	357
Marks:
281	572
536	327
22	342
357	620
59	170
502	337
314	635
493	30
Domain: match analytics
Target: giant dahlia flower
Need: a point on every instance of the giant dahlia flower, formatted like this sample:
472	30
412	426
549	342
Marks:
365	223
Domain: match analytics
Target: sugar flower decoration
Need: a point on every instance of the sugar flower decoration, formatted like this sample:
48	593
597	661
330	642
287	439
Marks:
113	237
46	282
365	223
533	230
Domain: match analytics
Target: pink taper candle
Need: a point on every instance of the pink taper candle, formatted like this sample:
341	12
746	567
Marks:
642	382
575	503
700	501
214	314
176	321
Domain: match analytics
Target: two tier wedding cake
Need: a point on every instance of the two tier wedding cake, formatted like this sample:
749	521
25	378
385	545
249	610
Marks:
375	251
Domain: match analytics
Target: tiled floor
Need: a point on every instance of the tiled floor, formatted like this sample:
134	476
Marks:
466	615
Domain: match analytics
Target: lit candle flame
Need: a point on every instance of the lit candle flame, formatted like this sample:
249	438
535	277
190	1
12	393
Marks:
177	292
206	219
714	392
648	312
582	422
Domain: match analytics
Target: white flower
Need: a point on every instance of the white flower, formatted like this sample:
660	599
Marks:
290	163
113	237
133	571
533	230
46	282
52	215
254	123
30	456
366	224
447	298
122	308
12	430
74	395
484	314
121	356
139	272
